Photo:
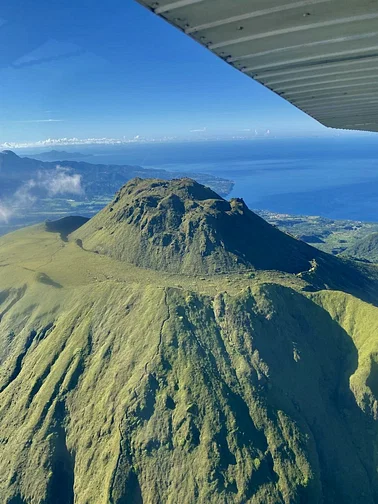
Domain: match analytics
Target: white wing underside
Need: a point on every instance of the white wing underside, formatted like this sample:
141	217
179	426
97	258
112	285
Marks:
320	55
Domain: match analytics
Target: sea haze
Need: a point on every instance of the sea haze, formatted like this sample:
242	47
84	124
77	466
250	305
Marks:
332	177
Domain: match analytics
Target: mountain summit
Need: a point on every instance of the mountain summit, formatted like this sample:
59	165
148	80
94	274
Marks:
181	226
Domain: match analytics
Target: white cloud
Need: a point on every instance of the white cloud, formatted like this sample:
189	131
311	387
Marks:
52	183
56	142
51	50
40	120
60	182
5	212
201	130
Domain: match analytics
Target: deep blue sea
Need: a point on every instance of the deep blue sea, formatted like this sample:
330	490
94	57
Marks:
332	177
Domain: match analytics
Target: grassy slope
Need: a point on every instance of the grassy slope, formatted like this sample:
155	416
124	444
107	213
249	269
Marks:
182	226
125	385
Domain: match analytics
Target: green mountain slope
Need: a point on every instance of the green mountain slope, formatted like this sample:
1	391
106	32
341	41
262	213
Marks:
365	249
182	226
122	384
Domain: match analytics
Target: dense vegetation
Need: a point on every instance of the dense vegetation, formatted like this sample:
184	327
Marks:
365	249
182	226
207	368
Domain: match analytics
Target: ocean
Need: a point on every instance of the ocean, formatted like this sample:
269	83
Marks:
332	177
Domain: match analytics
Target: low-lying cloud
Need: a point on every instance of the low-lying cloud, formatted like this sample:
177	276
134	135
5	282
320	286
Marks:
39	120
5	212
60	181
49	183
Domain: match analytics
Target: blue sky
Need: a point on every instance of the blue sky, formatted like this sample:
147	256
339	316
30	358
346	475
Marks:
113	69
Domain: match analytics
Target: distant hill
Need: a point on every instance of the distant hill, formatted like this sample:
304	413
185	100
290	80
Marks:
98	179
366	249
32	189
55	155
153	356
15	168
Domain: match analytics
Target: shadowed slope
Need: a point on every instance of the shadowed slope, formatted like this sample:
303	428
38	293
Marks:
66	225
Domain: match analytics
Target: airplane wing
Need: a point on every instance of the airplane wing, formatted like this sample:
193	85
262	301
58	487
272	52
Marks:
320	55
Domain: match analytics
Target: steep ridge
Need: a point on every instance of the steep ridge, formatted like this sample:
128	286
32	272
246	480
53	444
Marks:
182	226
123	384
